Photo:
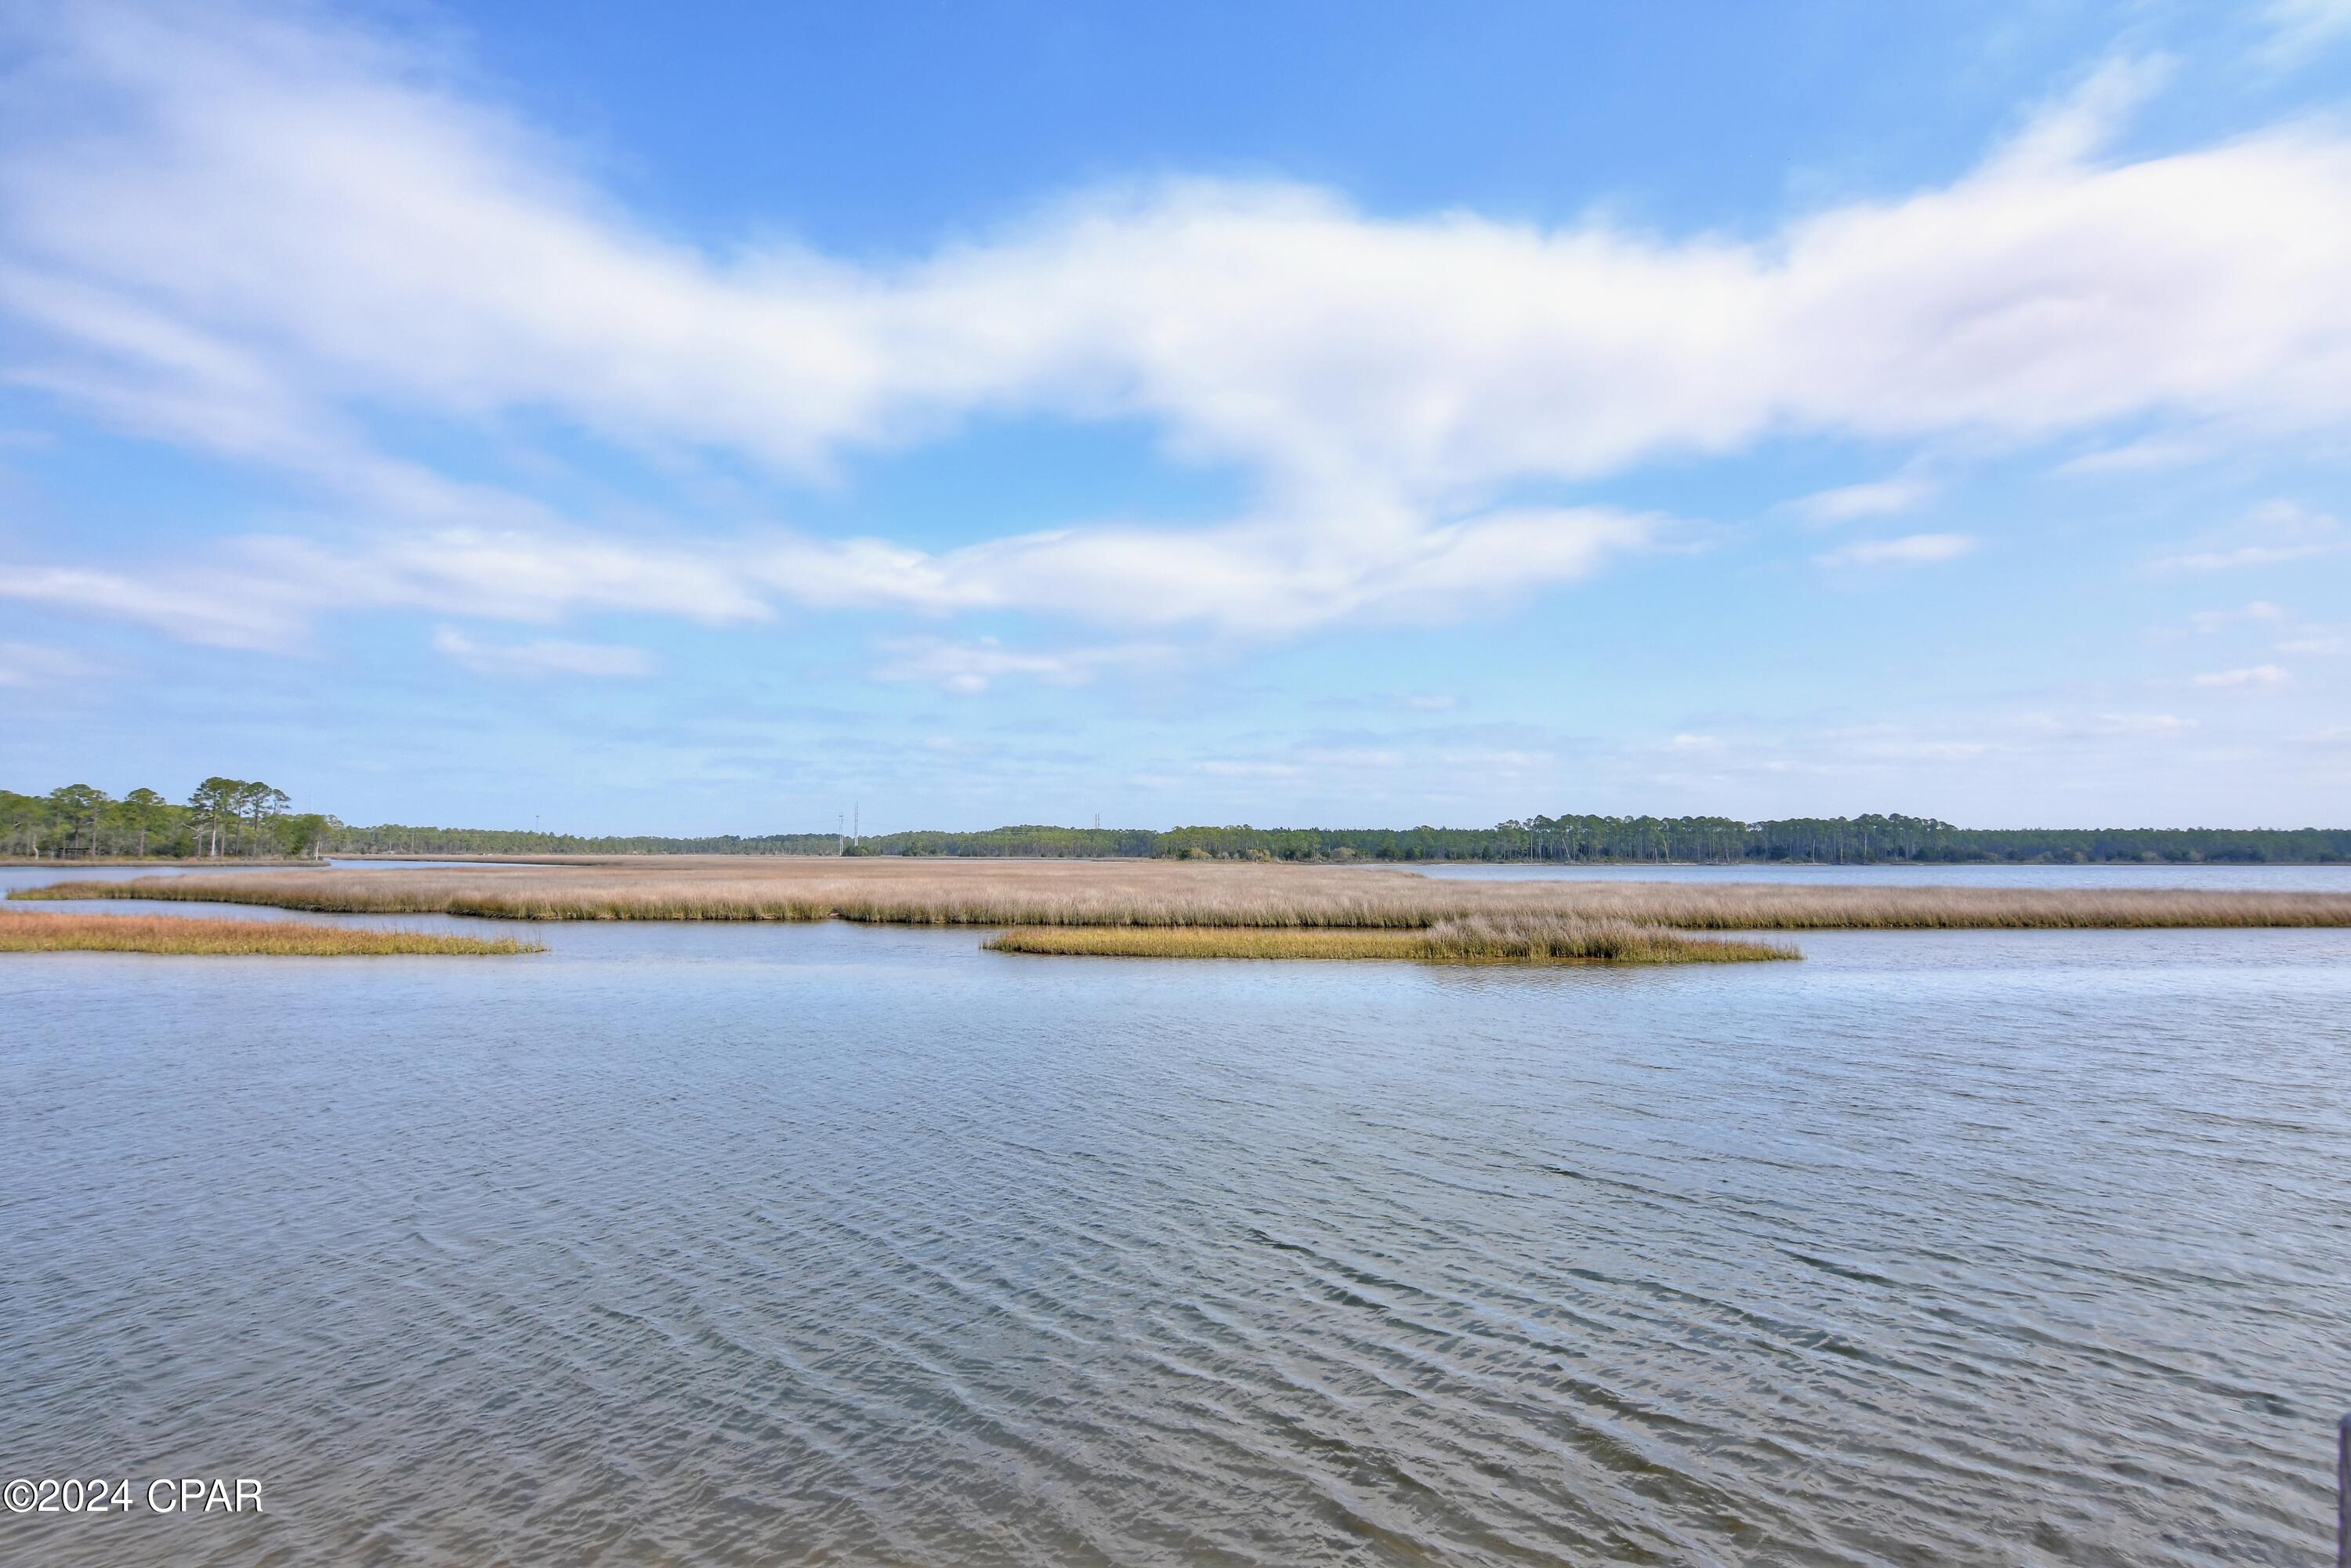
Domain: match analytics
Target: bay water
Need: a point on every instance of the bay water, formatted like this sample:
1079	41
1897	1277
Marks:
721	1244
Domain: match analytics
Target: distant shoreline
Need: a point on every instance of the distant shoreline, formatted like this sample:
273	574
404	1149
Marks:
635	857
640	857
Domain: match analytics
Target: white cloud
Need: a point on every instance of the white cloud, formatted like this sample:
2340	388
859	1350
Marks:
200	607
2324	641
515	575
1282	576
1240	768
2258	675
2210	620
2244	555
1275	574
974	666
263	593
1913	550
1926	750
1878	498
251	232
2271	534
548	657
2138	456
352	227
2151	725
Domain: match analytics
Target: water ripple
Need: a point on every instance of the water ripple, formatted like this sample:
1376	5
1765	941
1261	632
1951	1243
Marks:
855	1245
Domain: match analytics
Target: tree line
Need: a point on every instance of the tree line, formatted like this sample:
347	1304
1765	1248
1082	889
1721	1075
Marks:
232	818
1869	840
221	818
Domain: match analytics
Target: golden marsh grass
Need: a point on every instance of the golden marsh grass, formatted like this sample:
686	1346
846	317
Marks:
23	932
1175	893
1469	941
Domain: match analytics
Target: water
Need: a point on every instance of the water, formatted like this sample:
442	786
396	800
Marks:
707	1244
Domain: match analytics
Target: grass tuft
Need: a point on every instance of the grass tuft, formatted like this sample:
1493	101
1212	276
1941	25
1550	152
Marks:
22	932
1470	941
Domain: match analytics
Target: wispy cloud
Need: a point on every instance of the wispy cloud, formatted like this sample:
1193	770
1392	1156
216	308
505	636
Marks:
2256	676
264	592
541	658
1278	574
2271	534
2214	623
1878	499
27	665
203	608
2137	456
2327	642
2299	28
2158	724
515	575
974	666
2244	556
2210	621
250	231
1914	549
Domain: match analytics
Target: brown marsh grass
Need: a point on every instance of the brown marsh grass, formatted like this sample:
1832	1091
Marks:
1175	893
23	932
1538	940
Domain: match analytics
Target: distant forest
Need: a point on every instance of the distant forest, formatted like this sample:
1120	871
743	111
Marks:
1836	841
232	818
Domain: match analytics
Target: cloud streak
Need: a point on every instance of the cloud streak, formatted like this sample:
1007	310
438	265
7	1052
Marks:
541	658
1878	499
201	608
1913	550
2273	534
28	666
2256	676
968	668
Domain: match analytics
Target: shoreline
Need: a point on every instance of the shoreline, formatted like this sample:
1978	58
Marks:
558	858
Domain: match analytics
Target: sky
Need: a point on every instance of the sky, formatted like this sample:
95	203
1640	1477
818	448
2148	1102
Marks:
708	418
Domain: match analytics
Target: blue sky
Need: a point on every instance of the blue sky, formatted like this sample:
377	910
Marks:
700	418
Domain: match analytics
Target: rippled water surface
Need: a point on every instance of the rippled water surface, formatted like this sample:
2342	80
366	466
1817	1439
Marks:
748	1244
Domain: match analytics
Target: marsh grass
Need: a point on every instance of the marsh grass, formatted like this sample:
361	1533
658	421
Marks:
22	932
1179	893
1522	940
